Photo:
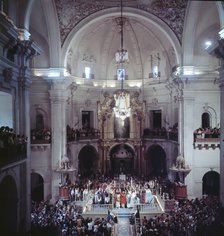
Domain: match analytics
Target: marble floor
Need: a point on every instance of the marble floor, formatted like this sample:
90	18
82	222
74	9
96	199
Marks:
123	227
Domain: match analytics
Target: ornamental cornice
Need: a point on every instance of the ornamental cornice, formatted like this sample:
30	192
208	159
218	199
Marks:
59	83
206	146
172	12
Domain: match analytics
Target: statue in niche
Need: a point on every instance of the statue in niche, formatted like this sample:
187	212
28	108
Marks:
122	100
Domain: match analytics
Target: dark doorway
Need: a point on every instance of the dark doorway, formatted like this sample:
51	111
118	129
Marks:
88	161
211	183
37	187
87	119
205	120
39	121
122	160
8	206
156	162
156	118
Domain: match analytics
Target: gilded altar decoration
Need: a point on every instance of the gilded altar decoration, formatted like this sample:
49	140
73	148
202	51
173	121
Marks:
122	107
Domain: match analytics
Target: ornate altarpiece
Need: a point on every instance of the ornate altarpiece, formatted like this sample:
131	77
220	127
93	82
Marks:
116	131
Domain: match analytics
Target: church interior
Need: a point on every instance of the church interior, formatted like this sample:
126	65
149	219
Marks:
115	95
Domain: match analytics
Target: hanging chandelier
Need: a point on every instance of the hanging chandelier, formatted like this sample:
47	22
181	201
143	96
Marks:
122	108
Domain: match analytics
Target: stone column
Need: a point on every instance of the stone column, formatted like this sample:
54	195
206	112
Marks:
26	50
218	51
189	172
222	134
180	161
24	129
58	96
179	99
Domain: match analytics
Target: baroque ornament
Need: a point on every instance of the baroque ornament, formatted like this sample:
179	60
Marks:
71	12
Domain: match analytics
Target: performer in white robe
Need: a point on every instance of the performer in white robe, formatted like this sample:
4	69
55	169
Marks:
117	200
128	199
148	196
133	199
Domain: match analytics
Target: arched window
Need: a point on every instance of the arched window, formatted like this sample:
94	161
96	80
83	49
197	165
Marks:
205	120
39	121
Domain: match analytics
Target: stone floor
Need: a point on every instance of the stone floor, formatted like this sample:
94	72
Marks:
123	227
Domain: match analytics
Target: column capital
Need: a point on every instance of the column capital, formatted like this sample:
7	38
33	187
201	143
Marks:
59	90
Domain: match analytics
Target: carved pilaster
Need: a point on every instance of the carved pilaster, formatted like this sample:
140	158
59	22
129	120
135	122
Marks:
178	85
58	95
59	92
217	50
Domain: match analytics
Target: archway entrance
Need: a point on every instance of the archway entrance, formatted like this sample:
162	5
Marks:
156	162
210	184
37	187
122	160
8	206
88	157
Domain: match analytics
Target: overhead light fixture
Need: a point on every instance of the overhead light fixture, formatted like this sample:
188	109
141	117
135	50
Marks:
208	43
122	108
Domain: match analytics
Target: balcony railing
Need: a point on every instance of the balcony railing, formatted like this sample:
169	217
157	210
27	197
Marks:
160	134
207	138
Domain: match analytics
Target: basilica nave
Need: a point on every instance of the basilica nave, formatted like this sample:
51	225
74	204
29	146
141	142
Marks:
113	89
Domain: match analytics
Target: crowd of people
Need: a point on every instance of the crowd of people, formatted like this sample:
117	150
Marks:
195	217
65	219
85	132
171	133
121	194
43	135
12	146
202	133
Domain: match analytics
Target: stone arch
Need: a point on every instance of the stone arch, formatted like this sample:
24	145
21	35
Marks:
210	183
37	187
212	115
49	14
39	113
156	165
113	12
221	13
121	159
193	14
8	206
88	161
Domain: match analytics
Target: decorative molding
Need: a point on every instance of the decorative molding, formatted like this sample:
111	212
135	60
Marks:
70	14
206	146
40	147
24	34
